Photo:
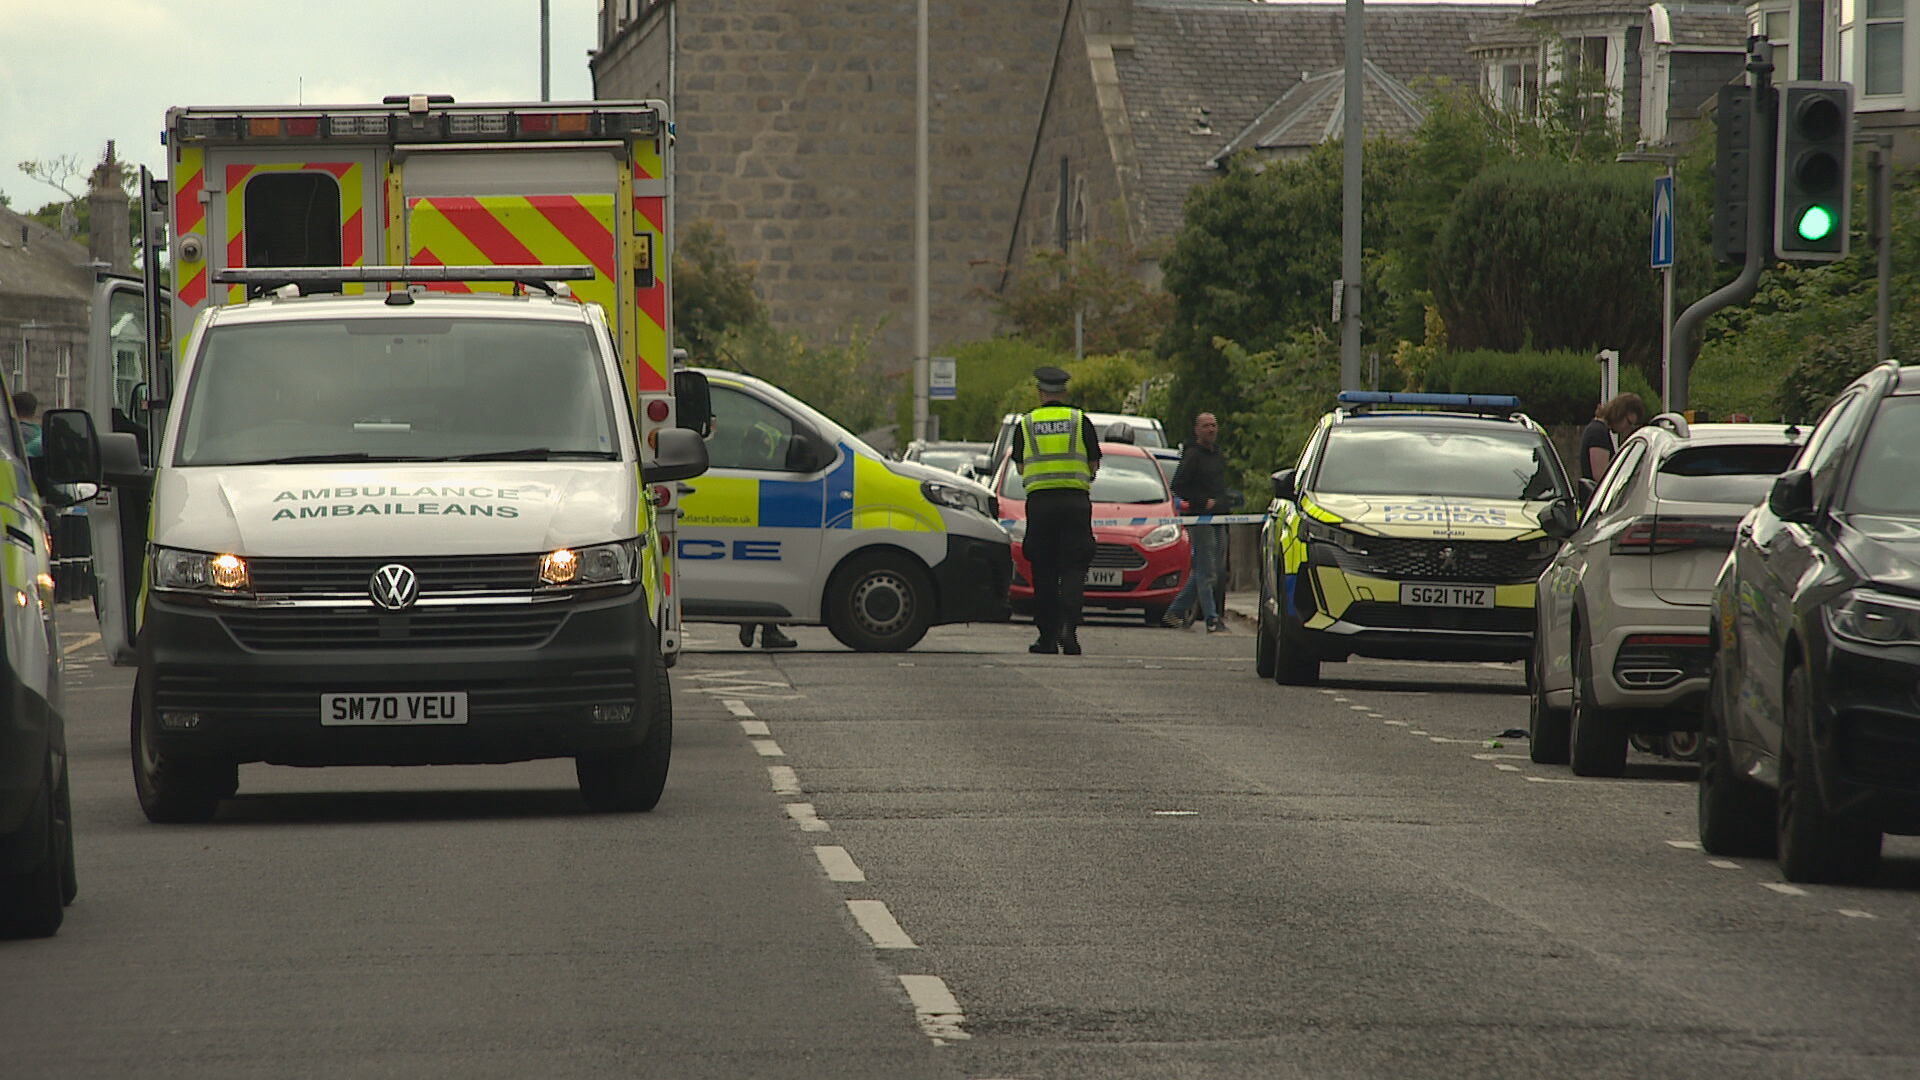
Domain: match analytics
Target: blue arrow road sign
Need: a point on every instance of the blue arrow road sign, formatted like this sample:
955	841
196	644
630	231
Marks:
1662	222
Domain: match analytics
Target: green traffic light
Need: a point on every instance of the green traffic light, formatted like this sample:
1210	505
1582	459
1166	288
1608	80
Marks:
1815	223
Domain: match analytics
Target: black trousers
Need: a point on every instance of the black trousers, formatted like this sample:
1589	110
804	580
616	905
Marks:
1059	548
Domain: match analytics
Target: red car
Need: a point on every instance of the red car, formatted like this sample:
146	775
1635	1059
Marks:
1137	567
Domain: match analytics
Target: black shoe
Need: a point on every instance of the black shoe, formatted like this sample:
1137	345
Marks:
772	638
1045	646
1070	644
746	635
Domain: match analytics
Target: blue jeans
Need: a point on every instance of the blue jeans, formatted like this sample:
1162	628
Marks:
1205	540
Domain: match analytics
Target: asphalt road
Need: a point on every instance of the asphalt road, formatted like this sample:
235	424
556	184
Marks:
967	862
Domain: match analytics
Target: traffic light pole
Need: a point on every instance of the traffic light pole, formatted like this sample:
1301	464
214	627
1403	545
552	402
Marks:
1686	329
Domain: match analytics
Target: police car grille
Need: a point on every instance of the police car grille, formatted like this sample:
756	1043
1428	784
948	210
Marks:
503	626
351	577
1121	556
1444	560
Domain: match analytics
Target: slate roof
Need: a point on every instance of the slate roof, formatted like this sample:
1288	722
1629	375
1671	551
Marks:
1237	59
1315	110
1515	33
48	266
1707	28
1548	9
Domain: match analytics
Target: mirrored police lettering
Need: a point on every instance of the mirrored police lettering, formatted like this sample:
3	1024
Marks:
742	550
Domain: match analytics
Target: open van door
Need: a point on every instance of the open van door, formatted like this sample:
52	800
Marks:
119	395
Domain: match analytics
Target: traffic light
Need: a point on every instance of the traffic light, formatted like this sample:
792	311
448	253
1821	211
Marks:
1732	145
1813	171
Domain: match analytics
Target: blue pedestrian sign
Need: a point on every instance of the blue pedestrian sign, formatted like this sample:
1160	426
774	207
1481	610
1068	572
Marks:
1662	222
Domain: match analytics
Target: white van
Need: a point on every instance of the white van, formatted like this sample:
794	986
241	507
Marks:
385	529
798	521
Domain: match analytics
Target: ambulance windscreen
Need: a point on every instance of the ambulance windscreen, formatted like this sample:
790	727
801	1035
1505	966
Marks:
396	389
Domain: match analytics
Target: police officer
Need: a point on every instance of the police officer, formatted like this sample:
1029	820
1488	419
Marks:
1057	452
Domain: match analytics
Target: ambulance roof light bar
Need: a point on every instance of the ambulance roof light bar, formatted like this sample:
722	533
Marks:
265	279
1360	401
421	118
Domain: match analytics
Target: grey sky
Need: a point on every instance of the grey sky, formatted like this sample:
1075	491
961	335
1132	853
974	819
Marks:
75	73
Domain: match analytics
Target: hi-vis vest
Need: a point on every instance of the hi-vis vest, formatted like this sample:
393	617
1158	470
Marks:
1053	456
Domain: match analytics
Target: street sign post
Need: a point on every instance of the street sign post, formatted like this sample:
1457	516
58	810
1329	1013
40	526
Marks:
1662	222
943	383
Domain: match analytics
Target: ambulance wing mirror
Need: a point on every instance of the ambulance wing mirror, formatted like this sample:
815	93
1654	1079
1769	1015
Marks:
72	447
693	402
679	455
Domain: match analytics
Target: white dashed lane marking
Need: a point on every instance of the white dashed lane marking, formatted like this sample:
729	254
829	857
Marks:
1688	845
1724	864
767	748
755	727
934	1008
878	922
85	640
785	781
1856	913
803	815
1784	889
736	706
838	864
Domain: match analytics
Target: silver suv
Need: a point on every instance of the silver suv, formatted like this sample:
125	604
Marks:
1620	633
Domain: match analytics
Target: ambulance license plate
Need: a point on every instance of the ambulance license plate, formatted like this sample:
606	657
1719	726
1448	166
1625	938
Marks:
1103	575
392	710
1446	595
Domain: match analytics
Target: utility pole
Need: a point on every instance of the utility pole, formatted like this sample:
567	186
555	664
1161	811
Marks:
921	345
1350	201
546	46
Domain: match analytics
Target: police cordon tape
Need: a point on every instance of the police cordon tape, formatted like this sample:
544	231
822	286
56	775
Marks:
1191	519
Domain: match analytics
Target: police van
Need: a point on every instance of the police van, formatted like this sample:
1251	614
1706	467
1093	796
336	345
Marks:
399	528
798	521
37	877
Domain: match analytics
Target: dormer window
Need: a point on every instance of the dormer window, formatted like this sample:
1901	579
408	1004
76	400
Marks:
1776	25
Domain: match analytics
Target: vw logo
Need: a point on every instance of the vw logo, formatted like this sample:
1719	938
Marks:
394	587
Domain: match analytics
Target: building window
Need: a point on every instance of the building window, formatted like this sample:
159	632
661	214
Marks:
1777	27
1519	88
1884	55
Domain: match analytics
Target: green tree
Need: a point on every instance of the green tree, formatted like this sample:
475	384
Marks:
1099	383
1256	260
843	380
712	294
1550	256
1118	310
986	372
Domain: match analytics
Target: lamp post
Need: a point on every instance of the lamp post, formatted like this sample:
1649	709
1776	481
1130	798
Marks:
1655	157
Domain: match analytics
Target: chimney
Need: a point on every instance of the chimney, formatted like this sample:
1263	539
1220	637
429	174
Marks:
108	236
1113	18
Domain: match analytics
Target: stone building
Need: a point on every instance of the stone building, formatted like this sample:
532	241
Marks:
794	134
45	285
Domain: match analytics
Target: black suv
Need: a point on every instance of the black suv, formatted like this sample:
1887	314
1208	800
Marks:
1813	714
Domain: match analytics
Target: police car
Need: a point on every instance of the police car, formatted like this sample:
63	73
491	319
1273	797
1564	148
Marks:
798	521
1413	526
37	877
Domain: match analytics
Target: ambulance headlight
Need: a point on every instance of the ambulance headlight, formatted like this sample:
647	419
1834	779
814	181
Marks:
602	564
941	493
1160	536
200	572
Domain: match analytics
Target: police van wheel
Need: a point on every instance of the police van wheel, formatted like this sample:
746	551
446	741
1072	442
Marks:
879	602
633	779
174	790
32	900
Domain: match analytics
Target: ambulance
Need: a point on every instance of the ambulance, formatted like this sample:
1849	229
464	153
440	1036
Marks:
416	180
398	492
799	521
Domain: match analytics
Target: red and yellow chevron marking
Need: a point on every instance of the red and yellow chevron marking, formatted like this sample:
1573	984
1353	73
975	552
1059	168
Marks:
650	302
352	222
189	216
648	164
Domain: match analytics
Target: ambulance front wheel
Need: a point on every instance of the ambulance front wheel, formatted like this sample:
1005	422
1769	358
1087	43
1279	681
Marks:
880	602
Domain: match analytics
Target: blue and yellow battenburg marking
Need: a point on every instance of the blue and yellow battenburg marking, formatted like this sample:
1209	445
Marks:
859	493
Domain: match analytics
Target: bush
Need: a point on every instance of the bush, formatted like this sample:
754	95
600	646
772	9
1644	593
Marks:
1559	387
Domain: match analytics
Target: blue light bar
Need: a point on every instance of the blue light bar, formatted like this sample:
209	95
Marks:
1360	399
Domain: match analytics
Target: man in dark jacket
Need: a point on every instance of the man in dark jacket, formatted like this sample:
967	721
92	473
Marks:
1200	485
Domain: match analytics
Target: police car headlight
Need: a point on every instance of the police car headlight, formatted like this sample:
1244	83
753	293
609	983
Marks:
1324	533
602	564
1161	536
941	493
200	572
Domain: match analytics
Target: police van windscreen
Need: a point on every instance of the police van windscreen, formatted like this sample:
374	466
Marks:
1362	460
1123	478
397	389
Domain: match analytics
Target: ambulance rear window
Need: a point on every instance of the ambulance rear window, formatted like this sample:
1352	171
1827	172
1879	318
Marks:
293	219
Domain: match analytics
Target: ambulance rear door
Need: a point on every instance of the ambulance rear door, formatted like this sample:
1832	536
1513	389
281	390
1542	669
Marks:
261	206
